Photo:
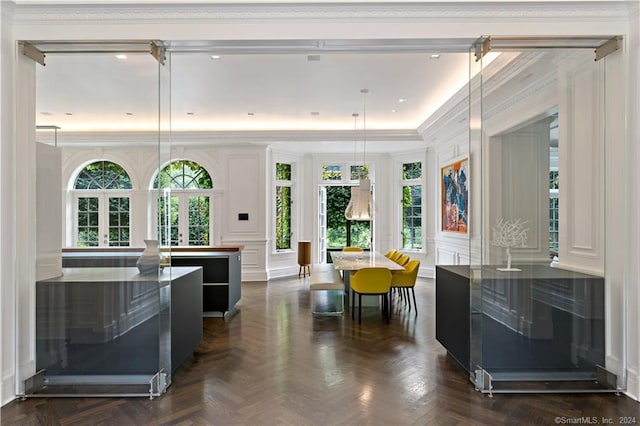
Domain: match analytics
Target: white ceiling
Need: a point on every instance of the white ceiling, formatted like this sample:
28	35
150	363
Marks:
253	93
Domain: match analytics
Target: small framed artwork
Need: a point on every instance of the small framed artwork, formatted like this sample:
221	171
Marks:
454	180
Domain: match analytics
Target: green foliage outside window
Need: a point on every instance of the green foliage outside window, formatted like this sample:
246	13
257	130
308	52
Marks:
283	206
283	217
412	217
411	171
331	173
168	217
412	207
199	221
88	232
103	175
283	171
183	174
119	221
337	200
359	172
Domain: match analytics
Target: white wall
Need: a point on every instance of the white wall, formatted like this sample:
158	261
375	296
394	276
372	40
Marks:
48	211
25	208
581	165
517	189
451	248
629	251
7	212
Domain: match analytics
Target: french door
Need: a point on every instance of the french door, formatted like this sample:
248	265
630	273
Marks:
184	219
102	220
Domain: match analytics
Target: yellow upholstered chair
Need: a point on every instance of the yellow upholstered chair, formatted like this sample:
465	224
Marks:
395	255
352	249
405	280
403	260
390	253
373	282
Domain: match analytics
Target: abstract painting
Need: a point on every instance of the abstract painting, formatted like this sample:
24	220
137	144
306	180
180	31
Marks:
455	196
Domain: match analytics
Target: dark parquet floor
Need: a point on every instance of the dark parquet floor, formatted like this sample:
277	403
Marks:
274	364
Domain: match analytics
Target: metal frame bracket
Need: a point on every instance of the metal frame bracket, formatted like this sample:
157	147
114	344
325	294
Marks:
158	51
32	52
608	47
482	46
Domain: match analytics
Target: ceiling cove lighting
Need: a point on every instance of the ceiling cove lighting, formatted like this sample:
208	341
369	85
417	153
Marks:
360	205
121	57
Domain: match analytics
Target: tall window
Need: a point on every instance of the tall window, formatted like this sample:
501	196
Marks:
283	206
412	206
184	209
101	200
554	189
553	213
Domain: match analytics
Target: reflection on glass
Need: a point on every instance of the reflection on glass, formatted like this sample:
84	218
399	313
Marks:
538	326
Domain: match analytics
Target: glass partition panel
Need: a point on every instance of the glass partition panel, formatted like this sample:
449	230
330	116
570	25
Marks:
474	362
103	313
164	255
539	220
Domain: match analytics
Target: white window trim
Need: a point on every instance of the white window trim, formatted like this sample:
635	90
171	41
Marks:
412	182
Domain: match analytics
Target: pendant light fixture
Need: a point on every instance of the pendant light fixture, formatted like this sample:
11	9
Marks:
360	205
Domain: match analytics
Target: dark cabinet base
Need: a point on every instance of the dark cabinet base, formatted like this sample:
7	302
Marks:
538	322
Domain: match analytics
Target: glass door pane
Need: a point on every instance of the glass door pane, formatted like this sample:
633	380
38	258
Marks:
165	276
88	222
169	220
198	217
539	280
100	324
119	221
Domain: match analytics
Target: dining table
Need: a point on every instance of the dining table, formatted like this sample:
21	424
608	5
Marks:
348	262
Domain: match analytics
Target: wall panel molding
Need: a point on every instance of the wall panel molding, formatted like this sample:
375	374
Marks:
582	164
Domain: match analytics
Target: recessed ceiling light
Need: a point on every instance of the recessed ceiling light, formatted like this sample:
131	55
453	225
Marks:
215	57
128	113
435	56
46	113
251	113
402	100
313	58
191	113
121	57
315	113
394	110
68	113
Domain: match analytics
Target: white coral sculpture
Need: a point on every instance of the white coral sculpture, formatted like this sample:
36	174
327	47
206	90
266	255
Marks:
509	234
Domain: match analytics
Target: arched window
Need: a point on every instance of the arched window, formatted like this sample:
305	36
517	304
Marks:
102	205
184	216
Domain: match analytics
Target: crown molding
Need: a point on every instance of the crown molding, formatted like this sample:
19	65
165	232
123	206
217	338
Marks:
454	113
174	12
222	138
